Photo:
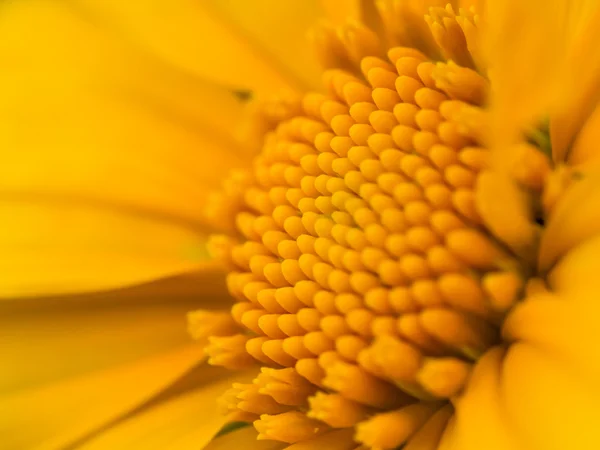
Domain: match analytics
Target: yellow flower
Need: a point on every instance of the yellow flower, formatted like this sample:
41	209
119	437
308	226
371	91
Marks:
411	251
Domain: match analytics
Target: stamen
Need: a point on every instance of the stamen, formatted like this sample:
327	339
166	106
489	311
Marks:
460	83
360	42
356	384
203	323
254	347
350	346
503	289
466	333
288	427
273	349
294	346
469	21
318	342
475	249
286	386
397	359
471	121
444	377
249	399
250	319
449	35
463	292
414	333
228	405
228	351
336	410
392	429
310	369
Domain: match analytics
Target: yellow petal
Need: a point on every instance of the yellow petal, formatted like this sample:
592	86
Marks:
547	402
51	247
278	30
110	122
185	421
480	420
577	271
551	372
46	340
575	218
563	326
585	148
244	438
108	155
428	437
522	41
341	11
54	416
257	45
580	92
468	4
506	211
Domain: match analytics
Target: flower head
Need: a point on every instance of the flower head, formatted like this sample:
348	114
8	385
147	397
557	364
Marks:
394	229
411	242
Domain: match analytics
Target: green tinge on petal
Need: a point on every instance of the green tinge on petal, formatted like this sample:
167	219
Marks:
230	427
540	137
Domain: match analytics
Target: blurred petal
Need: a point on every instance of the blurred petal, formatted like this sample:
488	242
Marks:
187	421
548	403
59	247
550	375
480	418
506	211
575	218
340	11
278	30
543	393
54	416
108	155
577	271
522	38
551	46
258	45
46	340
564	327
585	147
580	91
468	4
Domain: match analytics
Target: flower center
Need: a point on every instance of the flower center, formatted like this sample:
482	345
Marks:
367	277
